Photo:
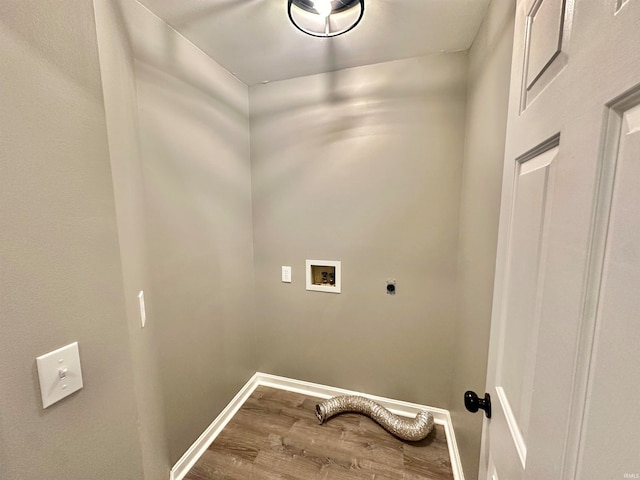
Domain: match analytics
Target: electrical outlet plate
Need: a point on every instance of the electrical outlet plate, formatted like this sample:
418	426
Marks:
59	373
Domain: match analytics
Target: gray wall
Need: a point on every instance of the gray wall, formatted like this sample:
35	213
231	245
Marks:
120	99
171	216
194	197
487	99
362	166
60	275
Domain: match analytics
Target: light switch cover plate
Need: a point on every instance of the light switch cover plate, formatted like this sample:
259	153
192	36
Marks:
286	274
60	374
143	312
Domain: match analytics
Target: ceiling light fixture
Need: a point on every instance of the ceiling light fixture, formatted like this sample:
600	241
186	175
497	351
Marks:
325	18
323	7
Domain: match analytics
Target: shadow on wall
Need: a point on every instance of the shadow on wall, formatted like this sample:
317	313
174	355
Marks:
333	118
361	165
194	137
164	50
192	125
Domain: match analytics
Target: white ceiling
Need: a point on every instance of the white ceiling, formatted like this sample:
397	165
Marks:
255	41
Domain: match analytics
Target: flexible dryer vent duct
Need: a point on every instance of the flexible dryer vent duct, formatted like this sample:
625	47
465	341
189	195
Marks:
407	429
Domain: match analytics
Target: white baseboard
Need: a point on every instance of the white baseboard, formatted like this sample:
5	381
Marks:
440	416
191	456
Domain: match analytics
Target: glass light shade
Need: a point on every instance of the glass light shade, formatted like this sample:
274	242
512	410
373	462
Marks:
313	17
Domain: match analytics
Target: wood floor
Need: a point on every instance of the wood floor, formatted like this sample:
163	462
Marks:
275	435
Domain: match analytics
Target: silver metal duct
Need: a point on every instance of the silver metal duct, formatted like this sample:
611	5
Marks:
413	429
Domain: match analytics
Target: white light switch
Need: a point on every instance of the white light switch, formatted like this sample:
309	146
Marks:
60	374
286	274
143	313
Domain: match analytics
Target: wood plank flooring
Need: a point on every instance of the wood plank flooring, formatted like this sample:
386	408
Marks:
275	435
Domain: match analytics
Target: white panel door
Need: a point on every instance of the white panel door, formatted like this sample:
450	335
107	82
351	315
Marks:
564	362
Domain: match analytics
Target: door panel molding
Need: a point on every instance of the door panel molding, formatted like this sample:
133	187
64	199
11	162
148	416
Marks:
586	285
542	49
524	274
545	56
516	434
612	137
